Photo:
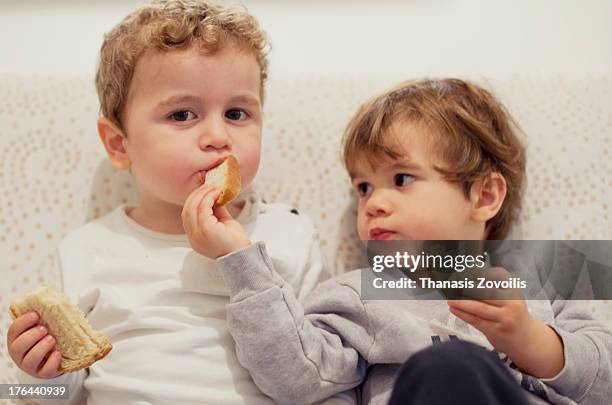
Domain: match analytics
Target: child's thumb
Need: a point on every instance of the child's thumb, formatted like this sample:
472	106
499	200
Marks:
222	214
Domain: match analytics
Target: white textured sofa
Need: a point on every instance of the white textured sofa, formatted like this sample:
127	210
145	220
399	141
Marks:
53	175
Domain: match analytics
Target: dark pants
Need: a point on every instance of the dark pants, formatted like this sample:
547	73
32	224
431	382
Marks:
456	373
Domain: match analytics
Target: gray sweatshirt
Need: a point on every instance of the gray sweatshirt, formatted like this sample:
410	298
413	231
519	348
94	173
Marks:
336	340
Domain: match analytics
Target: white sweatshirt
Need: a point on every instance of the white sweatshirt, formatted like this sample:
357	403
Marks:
163	306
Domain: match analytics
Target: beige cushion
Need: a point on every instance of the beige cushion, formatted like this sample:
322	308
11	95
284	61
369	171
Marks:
54	176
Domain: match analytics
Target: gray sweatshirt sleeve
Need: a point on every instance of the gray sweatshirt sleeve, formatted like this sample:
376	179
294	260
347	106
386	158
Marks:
587	347
295	354
587	342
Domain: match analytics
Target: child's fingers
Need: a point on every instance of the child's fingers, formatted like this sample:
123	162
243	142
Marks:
203	190
50	368
193	198
25	342
477	322
502	303
222	214
476	308
189	214
205	207
20	325
33	358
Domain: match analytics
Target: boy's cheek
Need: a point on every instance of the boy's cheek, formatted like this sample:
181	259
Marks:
170	168
362	229
249	158
248	169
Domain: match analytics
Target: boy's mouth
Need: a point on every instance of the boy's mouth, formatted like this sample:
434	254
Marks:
381	234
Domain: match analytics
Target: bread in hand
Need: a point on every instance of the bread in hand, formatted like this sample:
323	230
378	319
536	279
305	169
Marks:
78	343
226	177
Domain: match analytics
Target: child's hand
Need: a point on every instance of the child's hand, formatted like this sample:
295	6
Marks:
507	324
31	347
211	232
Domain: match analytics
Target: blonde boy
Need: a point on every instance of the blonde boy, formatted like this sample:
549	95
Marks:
429	160
181	86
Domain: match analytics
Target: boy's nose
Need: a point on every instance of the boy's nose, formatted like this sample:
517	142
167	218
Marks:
214	135
378	205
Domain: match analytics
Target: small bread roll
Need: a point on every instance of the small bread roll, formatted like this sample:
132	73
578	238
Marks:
226	177
78	343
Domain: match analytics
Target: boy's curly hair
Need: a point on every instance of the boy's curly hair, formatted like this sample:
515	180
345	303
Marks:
171	24
474	135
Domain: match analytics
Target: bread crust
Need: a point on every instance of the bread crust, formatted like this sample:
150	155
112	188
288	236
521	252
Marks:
231	187
104	349
67	324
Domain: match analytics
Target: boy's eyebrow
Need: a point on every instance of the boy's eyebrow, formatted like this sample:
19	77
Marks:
353	174
405	164
402	164
177	99
182	98
246	98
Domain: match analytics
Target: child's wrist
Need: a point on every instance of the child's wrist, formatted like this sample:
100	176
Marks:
241	245
539	350
233	245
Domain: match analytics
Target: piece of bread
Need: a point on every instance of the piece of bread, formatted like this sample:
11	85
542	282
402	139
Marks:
226	177
78	343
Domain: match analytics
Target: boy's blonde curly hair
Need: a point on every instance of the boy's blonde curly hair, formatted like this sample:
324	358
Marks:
166	25
474	136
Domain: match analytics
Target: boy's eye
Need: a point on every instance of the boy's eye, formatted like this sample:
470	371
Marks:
402	179
236	114
182	115
364	189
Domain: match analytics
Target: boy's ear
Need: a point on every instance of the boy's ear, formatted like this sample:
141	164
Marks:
112	137
487	196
